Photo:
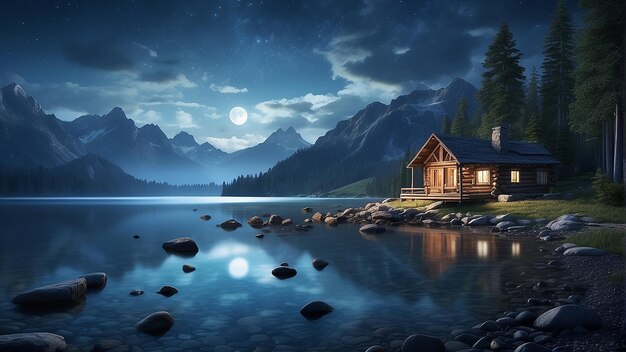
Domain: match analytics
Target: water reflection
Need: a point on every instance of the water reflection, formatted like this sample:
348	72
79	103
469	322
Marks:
238	268
515	249
482	249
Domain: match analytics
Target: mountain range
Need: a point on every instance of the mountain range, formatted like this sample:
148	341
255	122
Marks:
32	138
375	138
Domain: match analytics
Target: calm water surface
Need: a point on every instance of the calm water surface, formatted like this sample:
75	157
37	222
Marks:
411	280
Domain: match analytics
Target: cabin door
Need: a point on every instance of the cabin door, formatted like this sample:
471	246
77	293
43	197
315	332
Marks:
449	185
436	180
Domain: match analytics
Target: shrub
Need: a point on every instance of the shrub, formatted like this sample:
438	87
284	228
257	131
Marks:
607	191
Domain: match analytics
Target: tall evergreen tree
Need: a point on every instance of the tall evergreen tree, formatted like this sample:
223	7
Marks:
460	124
599	80
532	131
558	83
445	125
502	91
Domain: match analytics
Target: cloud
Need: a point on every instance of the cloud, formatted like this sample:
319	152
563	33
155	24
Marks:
226	89
233	143
103	55
167	78
310	107
184	120
150	52
144	117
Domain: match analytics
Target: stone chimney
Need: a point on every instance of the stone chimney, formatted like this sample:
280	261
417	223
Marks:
499	139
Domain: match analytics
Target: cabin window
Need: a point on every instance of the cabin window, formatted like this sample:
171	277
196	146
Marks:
514	176
542	177
483	177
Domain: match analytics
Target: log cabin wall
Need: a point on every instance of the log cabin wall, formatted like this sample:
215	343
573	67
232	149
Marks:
470	186
527	179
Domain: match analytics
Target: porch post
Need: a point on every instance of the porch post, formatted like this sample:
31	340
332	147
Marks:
460	181
412	179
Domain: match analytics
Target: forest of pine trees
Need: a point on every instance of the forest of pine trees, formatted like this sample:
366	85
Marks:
574	106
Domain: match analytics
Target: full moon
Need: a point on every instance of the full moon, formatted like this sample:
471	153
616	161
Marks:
238	116
238	268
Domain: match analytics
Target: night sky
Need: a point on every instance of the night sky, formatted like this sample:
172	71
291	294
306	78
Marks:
308	64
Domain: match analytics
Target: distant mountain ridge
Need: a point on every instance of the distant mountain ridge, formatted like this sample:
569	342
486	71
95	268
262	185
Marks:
372	139
32	138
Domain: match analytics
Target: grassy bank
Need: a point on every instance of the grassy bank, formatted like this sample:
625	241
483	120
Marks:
610	240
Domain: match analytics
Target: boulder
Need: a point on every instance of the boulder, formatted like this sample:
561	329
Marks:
205	217
567	317
167	291
423	343
331	220
565	246
230	225
188	268
284	272
452	346
181	245
564	225
315	310
95	280
60	293
382	215
456	222
504	225
318	217
480	221
255	222
319	264
287	222
499	218
531	347
434	205
372	228
275	220
584	251
32	342
489	326
157	323
510	197
588	219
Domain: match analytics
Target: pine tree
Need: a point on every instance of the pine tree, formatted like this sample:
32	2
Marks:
533	128
502	91
558	83
532	131
460	124
599	79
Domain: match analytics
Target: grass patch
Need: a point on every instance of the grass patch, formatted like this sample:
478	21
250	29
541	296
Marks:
610	240
617	277
356	189
531	209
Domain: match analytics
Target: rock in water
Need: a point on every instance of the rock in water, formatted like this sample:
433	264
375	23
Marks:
287	222
188	268
284	264
306	209
376	348
275	220
167	291
584	251
195	209
259	235
181	245
331	221
32	342
531	347
255	222
95	280
136	292
372	228
319	264
284	272
60	293
205	217
434	205
136	237
423	343
567	317
315	310
157	323
317	217
230	225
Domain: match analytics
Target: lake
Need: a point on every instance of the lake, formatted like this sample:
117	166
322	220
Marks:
383	287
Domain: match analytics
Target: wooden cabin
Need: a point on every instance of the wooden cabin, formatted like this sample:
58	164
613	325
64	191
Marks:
464	168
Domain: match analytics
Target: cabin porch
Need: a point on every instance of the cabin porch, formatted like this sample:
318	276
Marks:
420	194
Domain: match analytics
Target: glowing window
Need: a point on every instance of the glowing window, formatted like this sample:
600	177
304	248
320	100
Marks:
514	176
542	177
483	177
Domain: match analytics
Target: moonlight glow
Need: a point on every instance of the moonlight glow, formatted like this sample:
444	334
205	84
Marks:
238	116
238	268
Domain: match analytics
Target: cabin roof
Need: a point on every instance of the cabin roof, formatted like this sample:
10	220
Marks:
469	150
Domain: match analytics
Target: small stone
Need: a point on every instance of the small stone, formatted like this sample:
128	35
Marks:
315	310
259	235
195	209
284	272
567	317
136	237
136	293
167	291
319	264
584	251
231	224
531	347
306	210
95	280
205	217
520	335
275	220
489	325
157	323
372	229
55	294
482	343
287	222
376	348
283	264
32	342
188	268
255	222
423	343
181	245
